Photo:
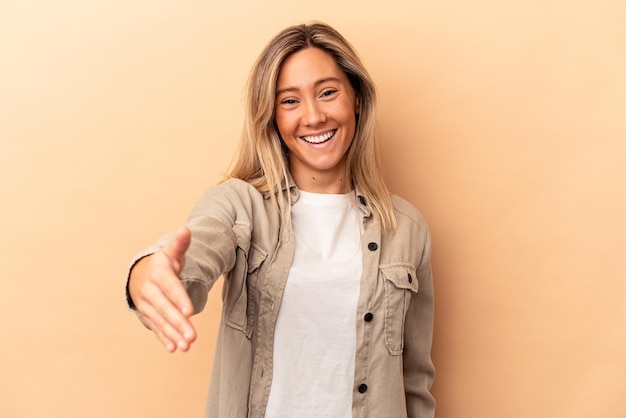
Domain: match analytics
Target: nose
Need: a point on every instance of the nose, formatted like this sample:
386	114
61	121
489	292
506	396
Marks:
313	114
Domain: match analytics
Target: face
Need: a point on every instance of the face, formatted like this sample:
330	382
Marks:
316	117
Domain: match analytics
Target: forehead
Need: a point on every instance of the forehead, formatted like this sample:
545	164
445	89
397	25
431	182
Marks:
305	67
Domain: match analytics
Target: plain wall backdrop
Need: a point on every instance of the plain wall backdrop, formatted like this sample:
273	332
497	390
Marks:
503	122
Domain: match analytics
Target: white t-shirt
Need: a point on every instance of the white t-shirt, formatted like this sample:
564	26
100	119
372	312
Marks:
315	335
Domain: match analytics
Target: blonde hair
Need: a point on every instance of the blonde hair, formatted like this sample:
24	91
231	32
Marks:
262	158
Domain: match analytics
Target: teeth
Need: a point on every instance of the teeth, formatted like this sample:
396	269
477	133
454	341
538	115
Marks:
319	139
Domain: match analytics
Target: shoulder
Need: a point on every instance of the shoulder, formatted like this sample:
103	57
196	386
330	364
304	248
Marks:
406	213
237	186
233	188
411	242
231	196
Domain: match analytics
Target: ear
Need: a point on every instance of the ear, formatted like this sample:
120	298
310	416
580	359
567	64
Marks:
357	105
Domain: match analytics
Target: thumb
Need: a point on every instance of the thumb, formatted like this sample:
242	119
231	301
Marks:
176	249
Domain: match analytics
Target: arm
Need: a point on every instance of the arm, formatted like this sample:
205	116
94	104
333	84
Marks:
419	371
155	292
171	280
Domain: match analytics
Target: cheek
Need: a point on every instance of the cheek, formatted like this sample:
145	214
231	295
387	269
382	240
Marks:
346	111
282	124
349	119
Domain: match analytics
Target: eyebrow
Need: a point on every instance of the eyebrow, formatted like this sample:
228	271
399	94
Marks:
317	83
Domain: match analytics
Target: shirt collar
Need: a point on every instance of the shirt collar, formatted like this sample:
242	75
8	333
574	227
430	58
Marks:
290	185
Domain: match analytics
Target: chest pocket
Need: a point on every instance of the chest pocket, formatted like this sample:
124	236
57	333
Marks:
240	288
400	282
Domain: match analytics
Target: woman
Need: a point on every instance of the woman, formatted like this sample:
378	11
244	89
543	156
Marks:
328	298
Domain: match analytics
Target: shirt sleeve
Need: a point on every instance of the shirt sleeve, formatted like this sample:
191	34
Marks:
212	251
419	371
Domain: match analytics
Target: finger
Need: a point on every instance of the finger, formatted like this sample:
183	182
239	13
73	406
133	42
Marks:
175	249
172	344
167	343
175	252
159	307
170	326
176	326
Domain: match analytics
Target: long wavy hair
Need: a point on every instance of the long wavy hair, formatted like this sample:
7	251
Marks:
262	159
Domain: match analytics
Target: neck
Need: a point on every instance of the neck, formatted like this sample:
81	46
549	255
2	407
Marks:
321	182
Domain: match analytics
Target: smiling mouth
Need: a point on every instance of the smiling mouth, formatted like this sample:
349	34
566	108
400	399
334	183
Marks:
319	139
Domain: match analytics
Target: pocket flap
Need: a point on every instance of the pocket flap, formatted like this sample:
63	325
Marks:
256	256
402	276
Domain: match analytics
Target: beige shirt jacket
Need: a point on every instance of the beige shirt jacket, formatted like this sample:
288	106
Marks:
238	233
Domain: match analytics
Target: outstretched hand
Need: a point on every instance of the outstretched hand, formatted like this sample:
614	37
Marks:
160	297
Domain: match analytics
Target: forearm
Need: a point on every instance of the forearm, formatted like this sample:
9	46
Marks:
419	371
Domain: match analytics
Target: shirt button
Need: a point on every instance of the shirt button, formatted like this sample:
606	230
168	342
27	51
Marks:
410	278
362	200
368	317
372	246
362	388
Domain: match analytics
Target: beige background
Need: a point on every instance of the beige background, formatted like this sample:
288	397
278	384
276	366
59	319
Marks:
504	122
